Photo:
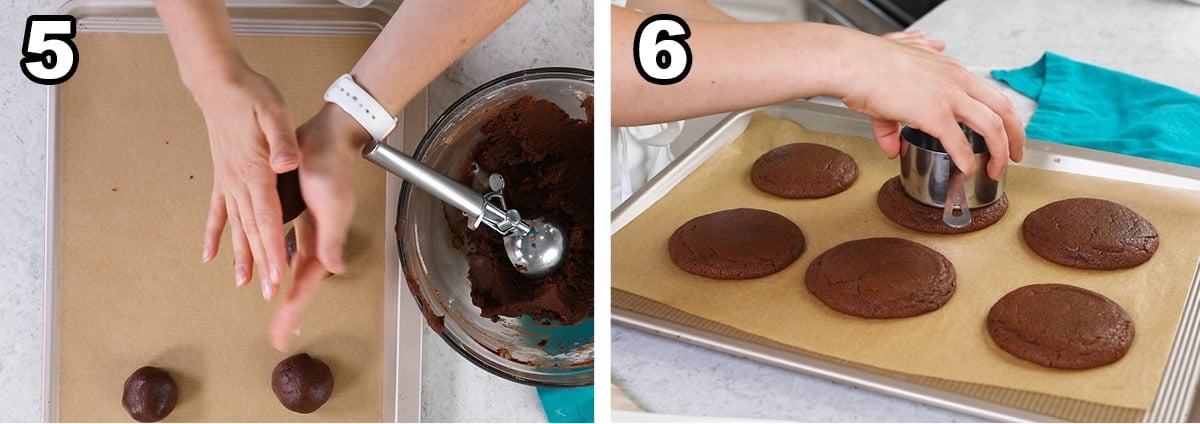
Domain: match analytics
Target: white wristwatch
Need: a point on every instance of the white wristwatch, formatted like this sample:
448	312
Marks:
356	101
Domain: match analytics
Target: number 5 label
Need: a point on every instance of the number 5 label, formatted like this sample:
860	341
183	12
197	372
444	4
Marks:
50	56
660	51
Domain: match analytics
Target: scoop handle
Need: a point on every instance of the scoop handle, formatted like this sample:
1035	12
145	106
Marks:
428	179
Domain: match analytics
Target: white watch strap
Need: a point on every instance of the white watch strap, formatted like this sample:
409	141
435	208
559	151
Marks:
353	99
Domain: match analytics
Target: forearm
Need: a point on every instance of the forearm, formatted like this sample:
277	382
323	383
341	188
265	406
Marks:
421	40
689	10
734	66
201	38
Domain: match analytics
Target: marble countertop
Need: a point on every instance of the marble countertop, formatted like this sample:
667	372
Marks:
1153	39
544	33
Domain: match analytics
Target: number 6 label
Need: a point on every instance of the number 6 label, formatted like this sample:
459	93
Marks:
659	50
50	56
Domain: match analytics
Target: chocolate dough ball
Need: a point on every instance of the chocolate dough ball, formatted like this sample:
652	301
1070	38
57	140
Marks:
302	383
150	394
289	242
290	201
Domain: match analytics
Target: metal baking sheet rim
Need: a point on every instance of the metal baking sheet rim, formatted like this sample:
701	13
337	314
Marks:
1177	392
403	321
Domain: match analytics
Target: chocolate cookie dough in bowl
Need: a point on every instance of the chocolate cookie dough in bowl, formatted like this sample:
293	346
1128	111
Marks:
534	128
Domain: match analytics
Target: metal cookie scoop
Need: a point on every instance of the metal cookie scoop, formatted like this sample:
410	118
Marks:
535	247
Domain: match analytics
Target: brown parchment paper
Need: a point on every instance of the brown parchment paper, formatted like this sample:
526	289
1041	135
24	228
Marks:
135	179
951	343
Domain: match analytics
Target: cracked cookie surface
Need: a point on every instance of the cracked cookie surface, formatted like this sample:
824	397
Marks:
881	278
1090	233
804	171
736	244
1060	326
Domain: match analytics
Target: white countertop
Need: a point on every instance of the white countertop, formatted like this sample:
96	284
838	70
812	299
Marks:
544	33
1153	39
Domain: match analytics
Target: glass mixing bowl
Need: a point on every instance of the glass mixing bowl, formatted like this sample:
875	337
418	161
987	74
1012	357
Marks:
519	349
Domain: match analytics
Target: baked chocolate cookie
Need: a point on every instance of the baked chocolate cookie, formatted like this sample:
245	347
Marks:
804	171
150	394
1060	326
736	244
881	278
302	383
903	210
1090	234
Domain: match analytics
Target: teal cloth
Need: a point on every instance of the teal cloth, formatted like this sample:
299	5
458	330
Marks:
573	405
1089	106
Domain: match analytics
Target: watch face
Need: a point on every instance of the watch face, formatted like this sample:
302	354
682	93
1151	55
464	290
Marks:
356	3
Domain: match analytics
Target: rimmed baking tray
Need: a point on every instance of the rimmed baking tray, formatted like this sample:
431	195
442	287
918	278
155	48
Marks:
402	320
1176	392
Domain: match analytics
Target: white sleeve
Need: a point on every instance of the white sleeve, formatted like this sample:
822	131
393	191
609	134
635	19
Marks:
638	154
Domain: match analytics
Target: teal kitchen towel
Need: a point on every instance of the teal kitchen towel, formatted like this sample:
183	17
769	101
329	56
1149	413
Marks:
1089	106
573	405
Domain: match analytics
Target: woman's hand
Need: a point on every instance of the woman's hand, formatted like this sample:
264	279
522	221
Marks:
307	276
250	134
331	143
915	85
902	78
916	39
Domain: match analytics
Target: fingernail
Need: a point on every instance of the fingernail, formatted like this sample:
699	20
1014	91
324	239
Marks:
276	275
283	159
242	277
267	291
206	255
296	329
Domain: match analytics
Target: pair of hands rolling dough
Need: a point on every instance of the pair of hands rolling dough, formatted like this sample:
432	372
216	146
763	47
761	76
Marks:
894	79
252	136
